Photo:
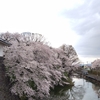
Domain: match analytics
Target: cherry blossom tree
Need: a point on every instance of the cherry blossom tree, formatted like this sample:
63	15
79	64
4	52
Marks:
34	67
95	64
25	36
72	56
36	37
71	53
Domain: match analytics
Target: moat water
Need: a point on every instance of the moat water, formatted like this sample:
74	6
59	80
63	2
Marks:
82	90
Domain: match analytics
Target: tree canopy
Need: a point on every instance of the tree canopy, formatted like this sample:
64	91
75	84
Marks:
95	64
33	66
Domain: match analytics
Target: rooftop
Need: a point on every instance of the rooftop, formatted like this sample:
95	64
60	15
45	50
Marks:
4	42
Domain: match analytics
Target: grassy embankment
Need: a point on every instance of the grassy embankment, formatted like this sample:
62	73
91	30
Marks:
94	72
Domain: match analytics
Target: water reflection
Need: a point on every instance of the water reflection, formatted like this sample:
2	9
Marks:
86	92
83	90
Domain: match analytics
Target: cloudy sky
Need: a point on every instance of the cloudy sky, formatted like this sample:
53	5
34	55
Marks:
85	21
74	22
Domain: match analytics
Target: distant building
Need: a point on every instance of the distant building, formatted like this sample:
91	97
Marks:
85	71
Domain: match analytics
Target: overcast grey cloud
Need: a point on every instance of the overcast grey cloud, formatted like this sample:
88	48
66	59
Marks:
85	21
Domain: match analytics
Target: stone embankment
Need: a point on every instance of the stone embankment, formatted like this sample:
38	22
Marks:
5	93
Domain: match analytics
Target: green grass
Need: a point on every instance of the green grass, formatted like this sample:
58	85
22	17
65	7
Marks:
23	97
